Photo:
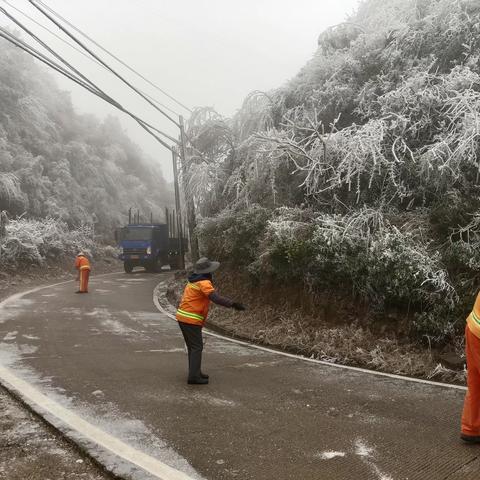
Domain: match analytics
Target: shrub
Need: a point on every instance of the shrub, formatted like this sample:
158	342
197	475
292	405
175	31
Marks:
233	235
34	241
286	250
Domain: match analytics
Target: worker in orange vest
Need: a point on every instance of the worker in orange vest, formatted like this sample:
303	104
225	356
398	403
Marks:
83	266
192	314
471	409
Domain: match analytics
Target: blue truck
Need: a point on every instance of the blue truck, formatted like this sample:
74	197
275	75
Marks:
150	245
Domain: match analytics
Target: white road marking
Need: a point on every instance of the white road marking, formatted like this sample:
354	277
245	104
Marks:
89	431
305	359
39	401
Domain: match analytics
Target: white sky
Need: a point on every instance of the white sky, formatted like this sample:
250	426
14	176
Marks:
204	52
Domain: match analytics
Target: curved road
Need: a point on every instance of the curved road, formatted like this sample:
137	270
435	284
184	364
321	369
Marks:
114	366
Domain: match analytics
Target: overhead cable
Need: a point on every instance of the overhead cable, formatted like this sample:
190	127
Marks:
52	64
76	40
71	25
50	50
58	37
81	52
100	92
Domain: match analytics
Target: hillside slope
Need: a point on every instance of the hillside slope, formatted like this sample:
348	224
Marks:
56	163
360	176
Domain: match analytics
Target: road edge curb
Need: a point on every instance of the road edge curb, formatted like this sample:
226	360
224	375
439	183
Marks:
87	446
300	357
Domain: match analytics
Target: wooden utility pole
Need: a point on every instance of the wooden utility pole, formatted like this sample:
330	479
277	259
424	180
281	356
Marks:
179	211
190	206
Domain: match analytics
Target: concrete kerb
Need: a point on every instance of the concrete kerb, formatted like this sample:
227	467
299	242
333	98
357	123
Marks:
102	448
169	312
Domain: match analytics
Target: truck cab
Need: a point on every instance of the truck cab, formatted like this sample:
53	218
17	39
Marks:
149	246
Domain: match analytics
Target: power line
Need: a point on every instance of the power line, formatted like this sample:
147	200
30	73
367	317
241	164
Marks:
50	50
52	64
78	50
76	40
58	37
96	89
51	10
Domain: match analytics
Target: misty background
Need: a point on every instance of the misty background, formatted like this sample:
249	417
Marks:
204	53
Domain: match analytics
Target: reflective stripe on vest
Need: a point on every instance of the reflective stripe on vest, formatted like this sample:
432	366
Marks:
194	316
85	267
475	317
192	285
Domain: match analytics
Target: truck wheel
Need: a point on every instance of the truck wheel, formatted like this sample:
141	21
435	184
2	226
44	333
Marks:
175	262
151	267
157	266
128	267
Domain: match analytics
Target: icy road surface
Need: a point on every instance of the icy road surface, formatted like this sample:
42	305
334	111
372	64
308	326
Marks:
113	365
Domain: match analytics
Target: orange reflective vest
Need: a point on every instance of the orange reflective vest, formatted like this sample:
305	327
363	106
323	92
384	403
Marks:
193	308
82	263
473	320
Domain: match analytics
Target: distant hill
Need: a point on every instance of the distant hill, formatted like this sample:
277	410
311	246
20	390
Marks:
57	163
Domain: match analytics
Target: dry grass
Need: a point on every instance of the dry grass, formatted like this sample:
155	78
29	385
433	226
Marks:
282	321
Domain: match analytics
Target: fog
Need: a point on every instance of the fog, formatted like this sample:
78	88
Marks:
201	52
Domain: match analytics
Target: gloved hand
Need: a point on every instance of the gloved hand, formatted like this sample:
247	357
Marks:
238	306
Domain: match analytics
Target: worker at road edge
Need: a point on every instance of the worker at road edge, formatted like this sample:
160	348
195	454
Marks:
83	266
192	314
471	410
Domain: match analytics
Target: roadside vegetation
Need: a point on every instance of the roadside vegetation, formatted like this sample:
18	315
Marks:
357	180
65	179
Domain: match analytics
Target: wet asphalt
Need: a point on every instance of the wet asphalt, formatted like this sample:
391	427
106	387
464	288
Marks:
115	360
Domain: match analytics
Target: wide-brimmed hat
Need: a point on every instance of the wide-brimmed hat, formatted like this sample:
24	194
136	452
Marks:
204	265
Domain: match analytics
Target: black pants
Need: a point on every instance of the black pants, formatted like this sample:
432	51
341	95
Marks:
194	341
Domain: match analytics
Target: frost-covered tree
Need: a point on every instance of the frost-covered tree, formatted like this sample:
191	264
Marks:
365	166
55	163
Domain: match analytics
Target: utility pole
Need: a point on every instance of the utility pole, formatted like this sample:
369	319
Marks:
190	207
178	209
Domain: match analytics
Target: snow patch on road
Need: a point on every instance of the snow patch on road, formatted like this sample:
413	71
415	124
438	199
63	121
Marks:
363	450
366	453
116	327
14	308
258	364
222	347
110	323
30	337
165	350
11	335
72	311
328	455
211	400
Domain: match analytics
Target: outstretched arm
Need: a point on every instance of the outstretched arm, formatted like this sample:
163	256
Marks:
225	301
220	300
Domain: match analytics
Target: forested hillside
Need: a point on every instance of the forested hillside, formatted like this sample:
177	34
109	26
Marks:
72	169
361	175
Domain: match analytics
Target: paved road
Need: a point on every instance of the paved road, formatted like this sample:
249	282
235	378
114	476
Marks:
114	360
